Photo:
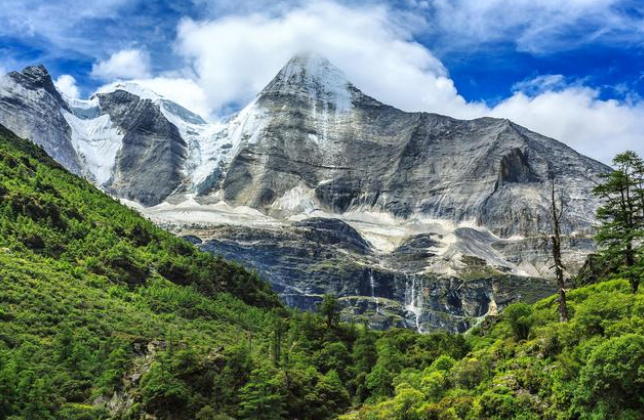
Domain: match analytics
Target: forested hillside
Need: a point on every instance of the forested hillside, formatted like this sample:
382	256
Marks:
103	315
527	365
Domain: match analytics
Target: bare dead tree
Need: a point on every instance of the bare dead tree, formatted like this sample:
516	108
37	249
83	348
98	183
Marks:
557	213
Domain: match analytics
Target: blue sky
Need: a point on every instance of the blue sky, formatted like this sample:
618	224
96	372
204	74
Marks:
572	70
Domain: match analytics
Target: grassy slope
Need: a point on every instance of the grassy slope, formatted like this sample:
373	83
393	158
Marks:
83	277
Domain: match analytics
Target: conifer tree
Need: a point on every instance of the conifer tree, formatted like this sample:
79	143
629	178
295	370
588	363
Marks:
263	397
622	216
330	310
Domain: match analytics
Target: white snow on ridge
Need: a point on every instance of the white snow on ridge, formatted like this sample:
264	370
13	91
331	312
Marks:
321	79
133	88
95	139
97	142
211	146
205	144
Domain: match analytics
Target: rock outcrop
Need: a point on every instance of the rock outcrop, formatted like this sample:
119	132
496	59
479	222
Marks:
31	107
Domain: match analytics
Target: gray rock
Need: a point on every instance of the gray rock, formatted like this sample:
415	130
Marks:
369	155
149	163
30	107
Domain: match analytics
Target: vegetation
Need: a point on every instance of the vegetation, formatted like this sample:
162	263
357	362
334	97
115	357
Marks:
103	316
527	365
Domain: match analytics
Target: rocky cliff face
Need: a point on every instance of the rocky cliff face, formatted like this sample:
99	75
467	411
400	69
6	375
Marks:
149	162
31	107
122	141
320	255
413	219
322	140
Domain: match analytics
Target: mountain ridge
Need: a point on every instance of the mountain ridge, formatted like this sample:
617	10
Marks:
438	200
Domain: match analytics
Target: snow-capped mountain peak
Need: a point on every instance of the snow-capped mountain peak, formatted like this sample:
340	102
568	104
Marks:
312	160
313	76
168	107
131	87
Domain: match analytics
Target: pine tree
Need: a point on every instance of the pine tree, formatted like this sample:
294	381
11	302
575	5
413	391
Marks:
263	397
330	310
622	215
332	395
365	353
280	327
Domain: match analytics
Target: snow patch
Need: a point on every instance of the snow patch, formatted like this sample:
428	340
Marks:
191	212
133	88
97	142
298	199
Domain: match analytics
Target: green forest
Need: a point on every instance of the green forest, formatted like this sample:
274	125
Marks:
105	316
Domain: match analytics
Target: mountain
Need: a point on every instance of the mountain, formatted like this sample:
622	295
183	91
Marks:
412	219
32	107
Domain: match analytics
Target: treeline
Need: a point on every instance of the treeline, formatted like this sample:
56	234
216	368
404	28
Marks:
527	365
309	369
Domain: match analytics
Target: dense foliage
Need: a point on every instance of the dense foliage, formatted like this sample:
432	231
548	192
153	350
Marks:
622	217
527	365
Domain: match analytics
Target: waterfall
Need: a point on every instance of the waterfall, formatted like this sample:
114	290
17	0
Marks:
414	300
373	290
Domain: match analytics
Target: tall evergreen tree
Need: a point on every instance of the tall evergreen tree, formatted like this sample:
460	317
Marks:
263	397
330	310
622	215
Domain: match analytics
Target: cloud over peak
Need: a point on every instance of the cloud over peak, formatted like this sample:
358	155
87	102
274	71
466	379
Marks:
235	57
67	85
124	64
219	58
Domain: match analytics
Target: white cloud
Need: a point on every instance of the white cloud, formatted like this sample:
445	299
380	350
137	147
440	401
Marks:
577	116
534	26
124	64
230	59
542	83
183	91
67	85
235	57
